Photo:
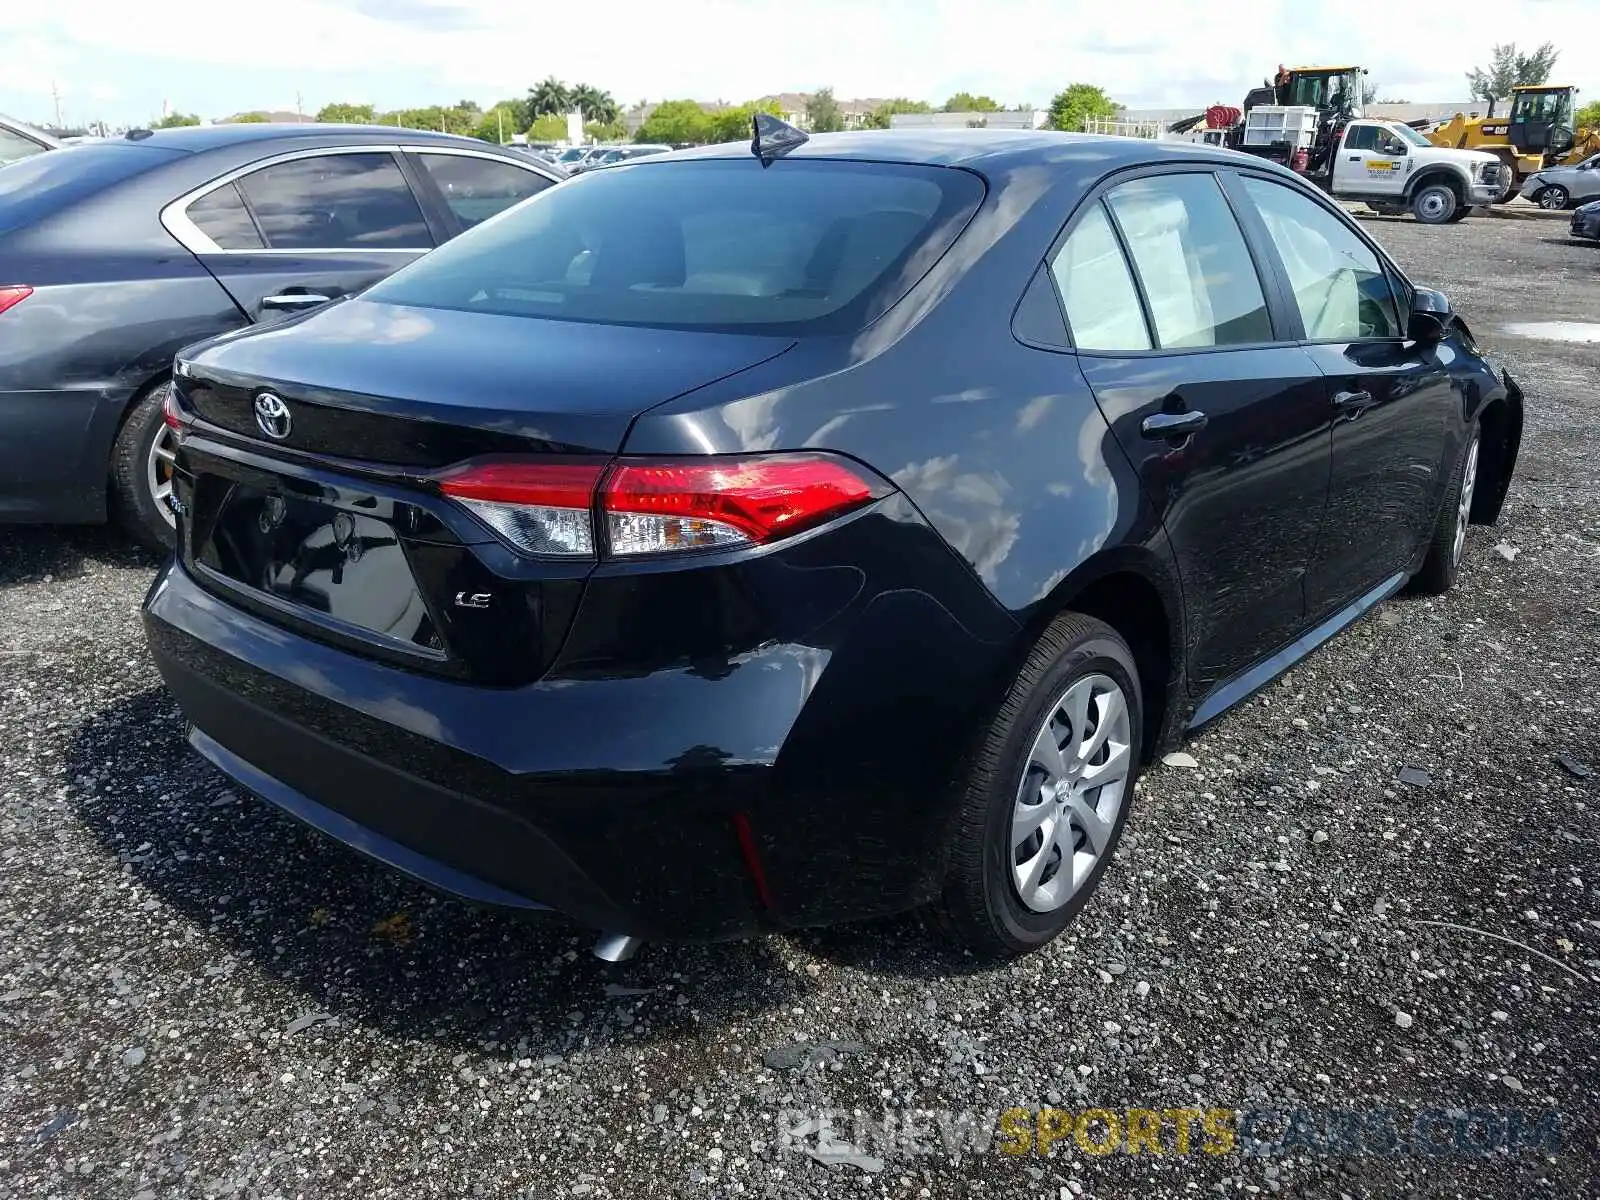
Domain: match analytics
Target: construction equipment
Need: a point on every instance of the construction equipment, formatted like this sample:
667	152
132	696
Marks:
1311	120
1321	99
1538	133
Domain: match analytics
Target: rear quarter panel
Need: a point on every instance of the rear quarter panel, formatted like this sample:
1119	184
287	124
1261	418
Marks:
999	445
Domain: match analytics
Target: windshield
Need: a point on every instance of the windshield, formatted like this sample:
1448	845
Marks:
572	154
44	184
1409	134
803	246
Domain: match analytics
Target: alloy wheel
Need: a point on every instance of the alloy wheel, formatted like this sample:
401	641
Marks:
1072	792
1553	198
158	471
1469	480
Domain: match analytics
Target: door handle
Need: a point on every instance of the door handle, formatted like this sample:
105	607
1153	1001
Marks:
1173	425
1353	403
293	301
1355	158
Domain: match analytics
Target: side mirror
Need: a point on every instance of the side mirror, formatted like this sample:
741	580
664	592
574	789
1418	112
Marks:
1431	317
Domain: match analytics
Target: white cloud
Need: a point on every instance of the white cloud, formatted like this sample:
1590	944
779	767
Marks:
394	52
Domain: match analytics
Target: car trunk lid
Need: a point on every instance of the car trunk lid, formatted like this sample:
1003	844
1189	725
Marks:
317	511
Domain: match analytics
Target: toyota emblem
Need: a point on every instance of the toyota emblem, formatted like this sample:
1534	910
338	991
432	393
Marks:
272	416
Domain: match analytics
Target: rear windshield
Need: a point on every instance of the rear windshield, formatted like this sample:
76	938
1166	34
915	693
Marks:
46	183
801	247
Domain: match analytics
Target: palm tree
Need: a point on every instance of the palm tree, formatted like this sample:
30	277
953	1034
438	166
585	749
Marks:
597	105
551	97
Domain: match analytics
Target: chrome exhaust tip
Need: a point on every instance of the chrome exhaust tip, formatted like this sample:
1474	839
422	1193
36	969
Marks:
617	947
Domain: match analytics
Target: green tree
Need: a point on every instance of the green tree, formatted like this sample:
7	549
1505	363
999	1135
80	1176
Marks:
606	131
967	102
176	120
597	105
347	114
733	124
551	96
547	128
822	112
1588	117
1508	68
248	118
879	118
499	123
1076	104
676	121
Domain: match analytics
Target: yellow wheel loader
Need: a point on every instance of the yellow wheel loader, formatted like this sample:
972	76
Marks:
1536	134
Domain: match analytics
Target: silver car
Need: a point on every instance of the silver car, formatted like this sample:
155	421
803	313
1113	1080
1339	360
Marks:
1563	187
19	141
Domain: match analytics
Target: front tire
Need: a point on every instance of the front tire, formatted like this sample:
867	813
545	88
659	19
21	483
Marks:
141	473
1435	204
1439	569
1047	795
1554	198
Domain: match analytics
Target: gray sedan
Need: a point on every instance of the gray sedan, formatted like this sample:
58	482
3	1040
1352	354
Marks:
1562	187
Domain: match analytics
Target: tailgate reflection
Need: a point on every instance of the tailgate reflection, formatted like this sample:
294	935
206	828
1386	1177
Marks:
349	566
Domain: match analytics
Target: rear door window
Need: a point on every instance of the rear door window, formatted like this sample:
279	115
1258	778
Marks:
476	188
802	246
347	201
1191	257
1097	289
221	215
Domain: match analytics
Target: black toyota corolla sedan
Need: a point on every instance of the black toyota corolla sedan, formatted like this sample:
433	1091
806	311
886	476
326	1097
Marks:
741	540
115	253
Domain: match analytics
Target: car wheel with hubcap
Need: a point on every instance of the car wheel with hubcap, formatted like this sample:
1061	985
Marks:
141	472
1554	198
1434	204
1047	795
1439	569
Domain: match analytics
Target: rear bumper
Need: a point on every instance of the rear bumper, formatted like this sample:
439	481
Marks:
55	452
695	802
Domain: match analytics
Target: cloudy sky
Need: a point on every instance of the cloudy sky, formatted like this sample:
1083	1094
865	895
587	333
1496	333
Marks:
119	60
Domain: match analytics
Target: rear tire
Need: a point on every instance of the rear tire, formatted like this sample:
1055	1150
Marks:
1439	569
140	469
1434	204
1033	793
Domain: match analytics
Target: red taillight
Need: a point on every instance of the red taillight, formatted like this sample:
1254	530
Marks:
13	295
694	504
540	508
171	414
654	507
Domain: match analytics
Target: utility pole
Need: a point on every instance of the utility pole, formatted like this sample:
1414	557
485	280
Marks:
500	124
299	109
55	94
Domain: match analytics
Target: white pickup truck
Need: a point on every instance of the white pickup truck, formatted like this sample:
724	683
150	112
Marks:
1385	165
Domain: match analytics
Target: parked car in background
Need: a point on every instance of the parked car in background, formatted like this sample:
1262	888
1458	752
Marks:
19	141
1562	187
571	156
724	545
625	153
590	159
115	253
1586	221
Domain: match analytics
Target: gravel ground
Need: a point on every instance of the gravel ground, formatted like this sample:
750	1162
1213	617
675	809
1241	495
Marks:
198	998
